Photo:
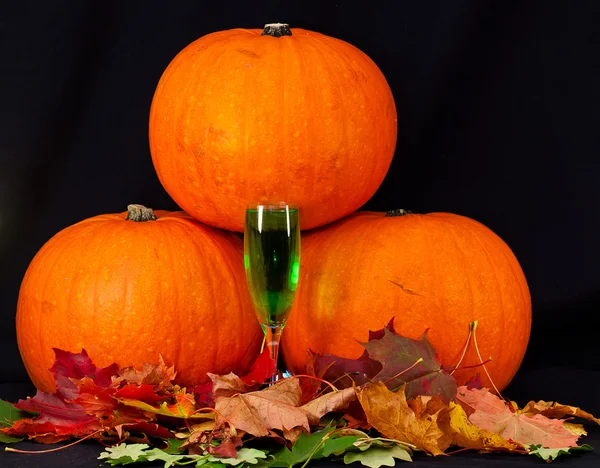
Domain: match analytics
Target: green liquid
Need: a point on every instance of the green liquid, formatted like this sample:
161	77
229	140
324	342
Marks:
272	262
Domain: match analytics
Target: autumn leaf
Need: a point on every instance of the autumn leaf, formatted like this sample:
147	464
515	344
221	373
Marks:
142	392
181	405
494	415
261	369
275	407
228	385
467	435
400	356
95	400
556	410
159	376
390	414
74	366
204	395
344	372
330	402
57	419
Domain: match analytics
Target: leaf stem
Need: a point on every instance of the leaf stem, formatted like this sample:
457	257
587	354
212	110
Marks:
333	387
473	326
404	371
464	351
56	449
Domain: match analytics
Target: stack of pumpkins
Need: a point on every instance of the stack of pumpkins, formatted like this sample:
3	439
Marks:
286	114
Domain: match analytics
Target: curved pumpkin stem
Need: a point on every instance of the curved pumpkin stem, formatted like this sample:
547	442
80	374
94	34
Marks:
139	213
276	30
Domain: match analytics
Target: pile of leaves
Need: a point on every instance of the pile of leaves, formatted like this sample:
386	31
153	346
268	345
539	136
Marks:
393	401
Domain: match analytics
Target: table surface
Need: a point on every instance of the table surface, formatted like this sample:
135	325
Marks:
573	386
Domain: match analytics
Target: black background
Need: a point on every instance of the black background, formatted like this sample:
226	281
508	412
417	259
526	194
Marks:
498	113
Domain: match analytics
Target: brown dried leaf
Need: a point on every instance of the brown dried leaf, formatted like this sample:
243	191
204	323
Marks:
390	414
225	386
556	410
334	401
275	407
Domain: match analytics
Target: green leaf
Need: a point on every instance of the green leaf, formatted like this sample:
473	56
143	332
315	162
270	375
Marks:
308	446
157	454
6	439
375	457
338	445
8	415
174	445
244	455
551	454
124	454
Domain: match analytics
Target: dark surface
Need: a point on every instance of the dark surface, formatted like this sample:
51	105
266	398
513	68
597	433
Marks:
498	111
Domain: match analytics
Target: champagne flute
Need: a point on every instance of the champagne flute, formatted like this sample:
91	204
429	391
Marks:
272	264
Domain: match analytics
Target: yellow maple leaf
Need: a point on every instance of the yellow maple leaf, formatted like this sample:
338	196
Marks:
389	413
467	435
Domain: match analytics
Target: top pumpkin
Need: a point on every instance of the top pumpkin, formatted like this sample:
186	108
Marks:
275	114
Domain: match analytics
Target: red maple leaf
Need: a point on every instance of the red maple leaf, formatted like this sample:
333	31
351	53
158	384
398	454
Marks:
261	370
84	402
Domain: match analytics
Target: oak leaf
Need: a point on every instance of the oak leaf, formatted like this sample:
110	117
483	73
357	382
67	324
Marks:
551	454
389	413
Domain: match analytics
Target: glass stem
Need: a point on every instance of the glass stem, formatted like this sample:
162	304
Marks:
272	339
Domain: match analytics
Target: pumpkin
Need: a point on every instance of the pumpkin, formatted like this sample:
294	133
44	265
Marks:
433	273
132	286
276	114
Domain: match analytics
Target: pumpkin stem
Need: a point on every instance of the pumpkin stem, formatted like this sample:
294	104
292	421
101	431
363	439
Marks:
400	212
277	30
139	213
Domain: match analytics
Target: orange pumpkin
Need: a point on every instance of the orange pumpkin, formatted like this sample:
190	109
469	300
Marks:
242	115
436	272
130	291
